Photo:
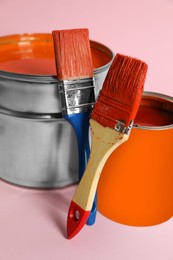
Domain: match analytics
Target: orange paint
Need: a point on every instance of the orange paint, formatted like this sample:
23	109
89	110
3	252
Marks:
29	66
34	54
154	113
149	116
136	184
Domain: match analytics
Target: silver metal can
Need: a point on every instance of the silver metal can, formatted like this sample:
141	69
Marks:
38	147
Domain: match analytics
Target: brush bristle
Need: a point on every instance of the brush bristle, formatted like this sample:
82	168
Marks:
73	54
121	93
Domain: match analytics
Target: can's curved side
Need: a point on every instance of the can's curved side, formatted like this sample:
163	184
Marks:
38	150
37	153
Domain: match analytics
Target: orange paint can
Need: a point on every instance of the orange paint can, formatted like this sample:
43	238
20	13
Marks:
136	183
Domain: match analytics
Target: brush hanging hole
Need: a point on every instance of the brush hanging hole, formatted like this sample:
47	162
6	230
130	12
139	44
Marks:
77	215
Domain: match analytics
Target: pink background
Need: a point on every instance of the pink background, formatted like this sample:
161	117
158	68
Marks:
32	222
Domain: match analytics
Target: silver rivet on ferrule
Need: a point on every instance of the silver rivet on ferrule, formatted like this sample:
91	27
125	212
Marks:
120	127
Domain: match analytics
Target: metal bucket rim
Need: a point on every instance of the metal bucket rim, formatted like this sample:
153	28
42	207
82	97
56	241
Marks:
157	96
46	78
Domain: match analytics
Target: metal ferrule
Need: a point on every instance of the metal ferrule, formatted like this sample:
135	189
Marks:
77	96
120	127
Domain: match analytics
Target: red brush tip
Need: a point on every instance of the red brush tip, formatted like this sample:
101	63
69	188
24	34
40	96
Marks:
121	92
72	54
77	218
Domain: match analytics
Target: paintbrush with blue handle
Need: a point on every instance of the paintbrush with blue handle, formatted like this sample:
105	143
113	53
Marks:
77	89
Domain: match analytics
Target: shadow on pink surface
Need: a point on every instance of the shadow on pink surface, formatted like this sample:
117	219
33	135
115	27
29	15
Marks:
47	207
55	207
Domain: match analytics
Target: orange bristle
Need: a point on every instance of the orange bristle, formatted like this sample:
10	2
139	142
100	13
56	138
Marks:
73	54
121	92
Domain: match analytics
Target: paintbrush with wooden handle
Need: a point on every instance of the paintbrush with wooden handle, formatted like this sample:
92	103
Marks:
111	121
77	92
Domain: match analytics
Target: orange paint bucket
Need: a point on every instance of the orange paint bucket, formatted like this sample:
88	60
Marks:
33	54
38	147
136	184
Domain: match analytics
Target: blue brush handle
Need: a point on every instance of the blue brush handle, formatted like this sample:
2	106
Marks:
80	124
